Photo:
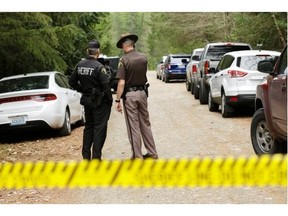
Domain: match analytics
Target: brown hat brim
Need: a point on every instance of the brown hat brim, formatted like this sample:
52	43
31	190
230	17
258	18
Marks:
123	39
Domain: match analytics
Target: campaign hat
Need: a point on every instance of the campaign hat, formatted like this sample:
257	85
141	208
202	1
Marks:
125	37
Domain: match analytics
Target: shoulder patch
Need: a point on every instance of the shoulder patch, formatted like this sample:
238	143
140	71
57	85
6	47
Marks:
120	64
103	71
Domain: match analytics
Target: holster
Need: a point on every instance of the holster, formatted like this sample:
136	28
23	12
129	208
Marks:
146	86
97	96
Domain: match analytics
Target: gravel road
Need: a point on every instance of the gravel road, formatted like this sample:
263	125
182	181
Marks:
182	129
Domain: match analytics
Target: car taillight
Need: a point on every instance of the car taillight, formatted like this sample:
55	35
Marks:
44	97
206	67
235	73
233	99
194	69
169	66
38	98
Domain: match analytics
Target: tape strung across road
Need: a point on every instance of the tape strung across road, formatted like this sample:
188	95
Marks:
198	172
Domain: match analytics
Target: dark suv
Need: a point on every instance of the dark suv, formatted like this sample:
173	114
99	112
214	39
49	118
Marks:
269	123
210	58
175	67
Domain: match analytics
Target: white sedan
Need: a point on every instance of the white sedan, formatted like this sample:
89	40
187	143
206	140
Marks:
42	99
235	80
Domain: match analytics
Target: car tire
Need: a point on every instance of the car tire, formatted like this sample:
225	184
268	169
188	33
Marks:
196	91
188	86
203	93
262	140
226	109
213	107
166	79
192	88
66	128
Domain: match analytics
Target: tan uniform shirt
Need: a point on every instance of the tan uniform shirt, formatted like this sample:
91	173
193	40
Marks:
133	68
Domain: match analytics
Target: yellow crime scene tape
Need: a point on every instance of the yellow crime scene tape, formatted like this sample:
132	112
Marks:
198	172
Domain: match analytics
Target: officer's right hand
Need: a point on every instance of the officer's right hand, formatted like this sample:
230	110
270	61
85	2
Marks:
118	107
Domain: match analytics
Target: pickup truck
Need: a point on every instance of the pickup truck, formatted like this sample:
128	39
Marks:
210	58
268	129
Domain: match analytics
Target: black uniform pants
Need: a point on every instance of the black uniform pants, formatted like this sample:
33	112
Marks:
95	131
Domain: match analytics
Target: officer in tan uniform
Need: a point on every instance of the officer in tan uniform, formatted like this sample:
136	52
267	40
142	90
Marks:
133	89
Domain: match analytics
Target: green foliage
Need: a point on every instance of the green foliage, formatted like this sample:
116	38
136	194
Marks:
27	44
32	42
262	28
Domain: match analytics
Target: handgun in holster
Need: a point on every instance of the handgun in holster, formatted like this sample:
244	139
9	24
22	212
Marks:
146	86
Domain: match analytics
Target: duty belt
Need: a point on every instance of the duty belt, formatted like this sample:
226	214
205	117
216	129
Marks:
135	88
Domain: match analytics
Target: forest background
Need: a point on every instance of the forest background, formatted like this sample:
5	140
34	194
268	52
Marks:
45	41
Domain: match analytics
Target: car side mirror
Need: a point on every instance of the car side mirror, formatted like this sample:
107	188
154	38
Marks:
195	58
184	61
265	67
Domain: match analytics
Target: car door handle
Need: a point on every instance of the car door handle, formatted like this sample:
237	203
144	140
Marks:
284	87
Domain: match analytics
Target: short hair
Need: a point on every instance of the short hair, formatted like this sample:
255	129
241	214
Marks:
93	51
128	42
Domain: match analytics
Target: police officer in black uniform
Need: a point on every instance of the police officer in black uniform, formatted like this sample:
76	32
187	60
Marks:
90	78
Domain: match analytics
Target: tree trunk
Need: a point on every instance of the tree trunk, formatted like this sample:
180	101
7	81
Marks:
282	38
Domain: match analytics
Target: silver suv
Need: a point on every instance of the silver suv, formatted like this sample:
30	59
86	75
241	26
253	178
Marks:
210	58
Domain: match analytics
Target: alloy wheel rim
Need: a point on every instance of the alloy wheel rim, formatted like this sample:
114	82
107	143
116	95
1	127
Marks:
265	140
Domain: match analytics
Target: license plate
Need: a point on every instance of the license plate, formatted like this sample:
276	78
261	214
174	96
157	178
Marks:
18	120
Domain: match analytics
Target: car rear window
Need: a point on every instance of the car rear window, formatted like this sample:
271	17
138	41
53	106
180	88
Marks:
216	52
251	62
113	62
178	59
24	83
198	53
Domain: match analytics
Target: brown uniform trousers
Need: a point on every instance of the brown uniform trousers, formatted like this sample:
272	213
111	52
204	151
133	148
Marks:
138	124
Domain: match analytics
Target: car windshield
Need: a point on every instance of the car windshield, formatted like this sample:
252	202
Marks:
24	83
251	62
178	59
216	52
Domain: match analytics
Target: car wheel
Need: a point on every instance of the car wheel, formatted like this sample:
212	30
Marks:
166	79
262	140
82	121
188	87
213	107
192	88
196	91
66	128
226	110
203	94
